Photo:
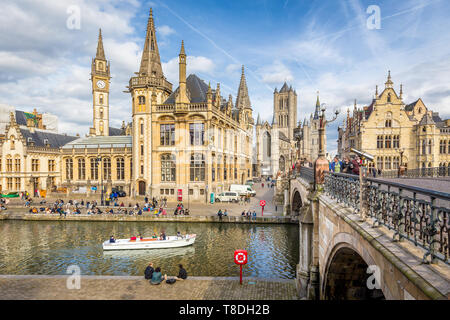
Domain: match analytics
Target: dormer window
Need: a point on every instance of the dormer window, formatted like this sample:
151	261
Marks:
389	98
29	139
45	141
419	111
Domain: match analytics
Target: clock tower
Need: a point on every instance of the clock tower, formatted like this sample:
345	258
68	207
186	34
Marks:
100	91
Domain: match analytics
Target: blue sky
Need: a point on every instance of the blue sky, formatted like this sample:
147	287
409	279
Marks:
320	46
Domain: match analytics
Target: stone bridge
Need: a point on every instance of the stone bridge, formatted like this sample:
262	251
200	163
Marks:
349	253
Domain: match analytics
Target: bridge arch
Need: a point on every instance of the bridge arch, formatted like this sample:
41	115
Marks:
296	203
345	274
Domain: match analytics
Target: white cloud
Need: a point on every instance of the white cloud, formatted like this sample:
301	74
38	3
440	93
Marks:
193	65
275	73
165	30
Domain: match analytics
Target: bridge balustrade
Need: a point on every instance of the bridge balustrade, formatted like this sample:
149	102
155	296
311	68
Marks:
418	215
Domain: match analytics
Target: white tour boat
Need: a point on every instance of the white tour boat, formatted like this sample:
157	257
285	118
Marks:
150	243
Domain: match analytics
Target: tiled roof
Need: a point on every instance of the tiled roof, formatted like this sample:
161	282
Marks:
37	137
196	88
116	131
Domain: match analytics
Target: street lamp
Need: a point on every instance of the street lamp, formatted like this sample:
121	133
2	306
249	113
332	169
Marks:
321	163
401	168
99	159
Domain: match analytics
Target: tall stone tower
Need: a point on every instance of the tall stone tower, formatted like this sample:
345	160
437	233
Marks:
147	89
285	110
100	76
242	99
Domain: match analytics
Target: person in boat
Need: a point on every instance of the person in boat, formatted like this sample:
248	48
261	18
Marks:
140	237
148	273
157	276
112	239
179	235
154	236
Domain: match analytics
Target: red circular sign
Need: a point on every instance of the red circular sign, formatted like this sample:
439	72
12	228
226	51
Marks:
262	203
240	257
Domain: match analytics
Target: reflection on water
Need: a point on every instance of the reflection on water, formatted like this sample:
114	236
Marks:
49	247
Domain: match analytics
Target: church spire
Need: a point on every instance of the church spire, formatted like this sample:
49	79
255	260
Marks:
317	111
242	99
389	82
150	62
100	51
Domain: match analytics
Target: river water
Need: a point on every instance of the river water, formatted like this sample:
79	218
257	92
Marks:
50	247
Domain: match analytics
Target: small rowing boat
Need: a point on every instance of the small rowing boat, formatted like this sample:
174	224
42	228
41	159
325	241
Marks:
150	243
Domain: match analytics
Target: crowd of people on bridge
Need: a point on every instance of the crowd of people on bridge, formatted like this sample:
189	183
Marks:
350	166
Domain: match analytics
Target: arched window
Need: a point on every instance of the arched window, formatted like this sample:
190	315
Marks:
388	123
12	143
424	147
141	100
81	169
168	167
197	167
100	65
69	169
429	146
106	168
267	144
389	98
225	168
101	99
120	166
94	169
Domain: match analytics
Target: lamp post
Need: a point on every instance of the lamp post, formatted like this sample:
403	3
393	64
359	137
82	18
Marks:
401	168
321	163
99	159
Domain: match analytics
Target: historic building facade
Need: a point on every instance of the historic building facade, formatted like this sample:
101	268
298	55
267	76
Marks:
396	133
307	137
275	142
188	142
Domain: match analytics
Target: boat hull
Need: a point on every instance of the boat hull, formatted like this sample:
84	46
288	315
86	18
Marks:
170	242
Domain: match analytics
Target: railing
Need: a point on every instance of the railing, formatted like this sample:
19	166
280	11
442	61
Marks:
436	172
144	81
344	188
416	214
306	173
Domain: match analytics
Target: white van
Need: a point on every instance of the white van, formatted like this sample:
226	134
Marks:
228	196
242	189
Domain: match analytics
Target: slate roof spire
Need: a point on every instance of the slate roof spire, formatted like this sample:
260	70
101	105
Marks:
100	51
317	111
242	99
150	61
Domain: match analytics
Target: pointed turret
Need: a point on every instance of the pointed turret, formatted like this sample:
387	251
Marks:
100	51
389	82
274	121
258	120
150	62
317	111
401	91
242	98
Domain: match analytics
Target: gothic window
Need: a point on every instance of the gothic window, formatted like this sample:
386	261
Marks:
424	147
387	163
396	162
101	113
387	142
168	167
100	66
429	146
224	168
94	169
101	99
17	164
380	162
197	167
388	123
197	134
167	134
120	166
141	100
69	169
442	146
380	142
396	142
267	144
141	125
81	169
51	165
389	98
107	168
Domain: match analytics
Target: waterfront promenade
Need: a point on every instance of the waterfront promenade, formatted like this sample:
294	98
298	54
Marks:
34	287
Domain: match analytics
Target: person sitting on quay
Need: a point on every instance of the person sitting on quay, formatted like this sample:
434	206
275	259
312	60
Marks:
182	273
254	215
139	212
163	212
243	213
112	239
111	211
219	213
122	204
157	276
225	213
148	273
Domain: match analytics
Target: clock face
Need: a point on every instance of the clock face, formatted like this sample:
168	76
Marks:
100	84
